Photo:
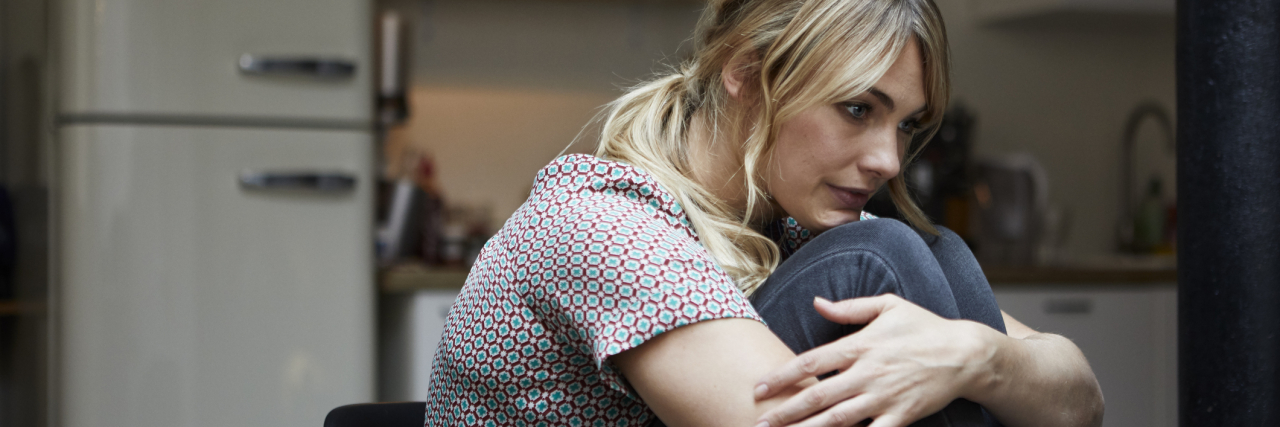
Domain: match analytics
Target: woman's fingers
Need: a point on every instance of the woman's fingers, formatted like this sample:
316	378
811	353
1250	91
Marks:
848	413
856	311
837	355
839	390
909	359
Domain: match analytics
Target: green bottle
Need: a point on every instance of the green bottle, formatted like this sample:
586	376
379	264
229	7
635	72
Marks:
1148	224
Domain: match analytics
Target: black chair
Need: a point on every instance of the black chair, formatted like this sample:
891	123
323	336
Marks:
388	414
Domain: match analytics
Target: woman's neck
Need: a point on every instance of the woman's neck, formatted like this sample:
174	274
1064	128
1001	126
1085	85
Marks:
716	161
715	155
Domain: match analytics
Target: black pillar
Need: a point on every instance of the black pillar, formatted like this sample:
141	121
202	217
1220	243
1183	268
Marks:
1229	212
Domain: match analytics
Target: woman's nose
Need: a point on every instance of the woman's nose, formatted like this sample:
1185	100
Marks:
880	157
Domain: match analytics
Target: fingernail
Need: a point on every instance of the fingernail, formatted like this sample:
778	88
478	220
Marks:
822	300
760	392
763	424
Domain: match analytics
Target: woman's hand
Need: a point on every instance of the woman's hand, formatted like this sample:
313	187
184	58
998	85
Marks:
905	364
908	363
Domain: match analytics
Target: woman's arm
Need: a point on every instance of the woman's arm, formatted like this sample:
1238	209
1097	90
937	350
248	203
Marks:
1040	379
908	363
702	374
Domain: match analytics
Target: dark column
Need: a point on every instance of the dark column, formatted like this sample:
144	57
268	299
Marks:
1229	209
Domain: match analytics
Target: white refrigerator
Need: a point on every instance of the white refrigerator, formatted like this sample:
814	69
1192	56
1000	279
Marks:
214	230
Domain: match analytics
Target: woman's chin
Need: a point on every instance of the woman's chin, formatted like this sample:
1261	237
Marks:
832	219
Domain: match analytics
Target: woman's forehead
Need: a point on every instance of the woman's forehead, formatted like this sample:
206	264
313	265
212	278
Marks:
903	83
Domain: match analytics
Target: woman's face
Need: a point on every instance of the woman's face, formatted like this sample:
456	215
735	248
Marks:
829	159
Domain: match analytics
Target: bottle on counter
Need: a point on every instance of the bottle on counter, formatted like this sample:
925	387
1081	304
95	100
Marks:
1148	225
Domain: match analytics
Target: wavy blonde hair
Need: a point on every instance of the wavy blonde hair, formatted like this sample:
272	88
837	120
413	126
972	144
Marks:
796	54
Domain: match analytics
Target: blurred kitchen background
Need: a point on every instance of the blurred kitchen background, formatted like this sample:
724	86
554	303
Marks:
249	212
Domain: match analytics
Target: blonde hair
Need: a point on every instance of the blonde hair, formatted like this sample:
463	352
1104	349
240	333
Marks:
798	54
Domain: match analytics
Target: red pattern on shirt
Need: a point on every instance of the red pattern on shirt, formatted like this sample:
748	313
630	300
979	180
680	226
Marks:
597	261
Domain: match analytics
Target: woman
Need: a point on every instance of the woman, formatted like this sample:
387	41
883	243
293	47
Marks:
617	294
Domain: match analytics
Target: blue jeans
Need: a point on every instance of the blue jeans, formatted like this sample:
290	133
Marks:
875	257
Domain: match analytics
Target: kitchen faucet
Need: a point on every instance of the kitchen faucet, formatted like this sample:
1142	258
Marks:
1139	113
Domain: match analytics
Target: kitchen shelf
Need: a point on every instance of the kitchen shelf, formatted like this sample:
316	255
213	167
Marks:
1070	12
410	277
1068	275
1090	270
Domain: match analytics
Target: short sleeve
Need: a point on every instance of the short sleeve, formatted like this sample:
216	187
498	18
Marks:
621	272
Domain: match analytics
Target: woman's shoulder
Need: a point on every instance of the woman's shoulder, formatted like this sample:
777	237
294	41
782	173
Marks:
586	171
582	183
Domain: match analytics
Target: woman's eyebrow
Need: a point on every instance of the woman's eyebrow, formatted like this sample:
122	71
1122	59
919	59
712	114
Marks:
884	99
919	112
888	101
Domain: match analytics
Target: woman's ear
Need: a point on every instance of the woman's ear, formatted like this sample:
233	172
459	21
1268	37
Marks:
734	74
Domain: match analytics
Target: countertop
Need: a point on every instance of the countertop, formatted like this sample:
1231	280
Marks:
1094	270
1061	275
411	277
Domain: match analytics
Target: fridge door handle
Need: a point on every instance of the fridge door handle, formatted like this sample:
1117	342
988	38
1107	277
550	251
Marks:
324	182
323	68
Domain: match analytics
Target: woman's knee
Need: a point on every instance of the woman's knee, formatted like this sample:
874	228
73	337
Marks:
879	226
889	239
873	257
945	239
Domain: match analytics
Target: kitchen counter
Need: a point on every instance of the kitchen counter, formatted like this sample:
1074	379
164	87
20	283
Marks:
1058	275
410	277
1109	269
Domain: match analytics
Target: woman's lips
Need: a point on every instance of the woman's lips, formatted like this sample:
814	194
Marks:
850	198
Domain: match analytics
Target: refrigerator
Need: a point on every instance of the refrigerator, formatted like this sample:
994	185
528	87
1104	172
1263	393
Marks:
213	212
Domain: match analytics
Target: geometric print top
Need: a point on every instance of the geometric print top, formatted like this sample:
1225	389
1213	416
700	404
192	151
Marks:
597	261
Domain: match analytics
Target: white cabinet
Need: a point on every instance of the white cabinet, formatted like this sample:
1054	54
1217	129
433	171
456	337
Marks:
181	58
994	11
410	326
1128	333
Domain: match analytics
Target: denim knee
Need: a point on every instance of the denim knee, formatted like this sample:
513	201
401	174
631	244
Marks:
865	258
890	239
879	226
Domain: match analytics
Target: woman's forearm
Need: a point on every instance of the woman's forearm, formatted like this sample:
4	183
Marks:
1039	380
907	363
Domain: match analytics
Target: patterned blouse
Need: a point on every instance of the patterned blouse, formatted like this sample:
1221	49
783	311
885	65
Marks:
596	262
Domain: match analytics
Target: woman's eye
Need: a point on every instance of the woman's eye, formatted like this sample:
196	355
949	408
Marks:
858	111
909	126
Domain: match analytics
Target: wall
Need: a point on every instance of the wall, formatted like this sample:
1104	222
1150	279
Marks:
502	86
488	143
1062	90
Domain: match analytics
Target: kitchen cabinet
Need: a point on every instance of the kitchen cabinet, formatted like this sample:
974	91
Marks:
1127	331
1003	11
412	310
410	326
